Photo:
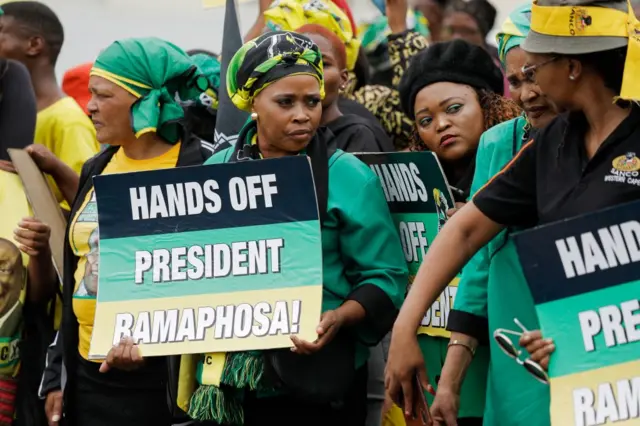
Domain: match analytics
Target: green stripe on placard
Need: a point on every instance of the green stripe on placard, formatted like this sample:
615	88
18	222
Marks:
561	322
412	244
300	261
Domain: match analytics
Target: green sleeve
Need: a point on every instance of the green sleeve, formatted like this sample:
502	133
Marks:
374	264
220	157
469	315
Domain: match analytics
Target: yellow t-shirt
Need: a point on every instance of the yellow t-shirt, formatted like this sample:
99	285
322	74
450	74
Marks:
65	129
13	270
84	237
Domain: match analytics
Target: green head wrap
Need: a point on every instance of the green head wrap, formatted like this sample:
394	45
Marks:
210	67
514	30
154	71
267	59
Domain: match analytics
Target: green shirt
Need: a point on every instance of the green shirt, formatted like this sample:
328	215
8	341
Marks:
493	286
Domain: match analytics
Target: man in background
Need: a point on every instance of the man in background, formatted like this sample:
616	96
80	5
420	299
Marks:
32	34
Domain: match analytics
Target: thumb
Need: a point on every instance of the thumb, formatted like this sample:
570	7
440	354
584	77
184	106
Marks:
104	367
57	411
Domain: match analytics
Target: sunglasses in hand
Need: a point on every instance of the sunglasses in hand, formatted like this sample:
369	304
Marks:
503	338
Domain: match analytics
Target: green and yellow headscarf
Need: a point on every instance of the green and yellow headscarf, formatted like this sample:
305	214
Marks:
210	67
289	15
267	59
154	71
514	30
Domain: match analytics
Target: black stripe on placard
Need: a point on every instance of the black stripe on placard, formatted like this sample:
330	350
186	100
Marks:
408	179
206	197
581	255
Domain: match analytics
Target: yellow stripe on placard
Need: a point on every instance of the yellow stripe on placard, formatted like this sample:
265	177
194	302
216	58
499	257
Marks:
436	318
606	396
272	336
208	4
580	21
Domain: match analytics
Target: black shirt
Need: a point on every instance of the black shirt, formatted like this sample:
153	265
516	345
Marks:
552	179
354	133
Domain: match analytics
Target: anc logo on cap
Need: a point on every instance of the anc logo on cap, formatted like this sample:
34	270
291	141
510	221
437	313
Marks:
627	163
579	19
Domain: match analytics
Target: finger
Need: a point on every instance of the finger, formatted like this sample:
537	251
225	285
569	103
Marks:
303	347
56	413
326	322
126	359
136	355
407	394
24	233
451	212
543	352
530	336
34	225
30	244
104	367
27	250
534	345
424	379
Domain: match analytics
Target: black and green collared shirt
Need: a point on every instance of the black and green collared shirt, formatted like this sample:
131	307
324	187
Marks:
552	178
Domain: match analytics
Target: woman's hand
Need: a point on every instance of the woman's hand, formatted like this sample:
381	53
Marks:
33	236
124	356
405	360
397	15
46	160
53	407
7	166
453	211
444	409
330	324
539	349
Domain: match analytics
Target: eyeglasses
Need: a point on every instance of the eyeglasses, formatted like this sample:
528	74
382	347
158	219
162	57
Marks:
529	71
501	337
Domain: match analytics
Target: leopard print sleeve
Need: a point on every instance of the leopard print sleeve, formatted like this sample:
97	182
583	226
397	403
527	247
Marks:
403	47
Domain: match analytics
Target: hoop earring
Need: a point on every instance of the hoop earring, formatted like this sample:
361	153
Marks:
254	116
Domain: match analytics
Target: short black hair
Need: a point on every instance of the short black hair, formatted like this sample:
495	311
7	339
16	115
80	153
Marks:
609	65
38	20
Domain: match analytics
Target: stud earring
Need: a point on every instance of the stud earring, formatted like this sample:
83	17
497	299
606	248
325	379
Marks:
254	116
571	77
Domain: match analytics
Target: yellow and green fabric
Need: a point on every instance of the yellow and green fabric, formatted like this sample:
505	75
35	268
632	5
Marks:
153	70
514	30
289	15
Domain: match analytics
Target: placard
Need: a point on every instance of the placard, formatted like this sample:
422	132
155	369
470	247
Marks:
217	258
418	196
584	276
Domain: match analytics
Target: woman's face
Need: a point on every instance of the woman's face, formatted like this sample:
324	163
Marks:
289	113
525	92
460	25
109	108
449	120
335	74
551	74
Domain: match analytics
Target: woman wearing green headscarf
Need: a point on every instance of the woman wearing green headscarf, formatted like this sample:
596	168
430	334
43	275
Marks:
492	290
278	78
133	85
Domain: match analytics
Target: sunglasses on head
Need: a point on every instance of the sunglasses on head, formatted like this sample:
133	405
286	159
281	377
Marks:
503	339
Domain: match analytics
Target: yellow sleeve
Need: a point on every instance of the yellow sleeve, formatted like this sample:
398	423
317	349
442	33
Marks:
75	143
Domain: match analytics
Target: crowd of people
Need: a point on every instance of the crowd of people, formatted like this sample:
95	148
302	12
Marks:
524	131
